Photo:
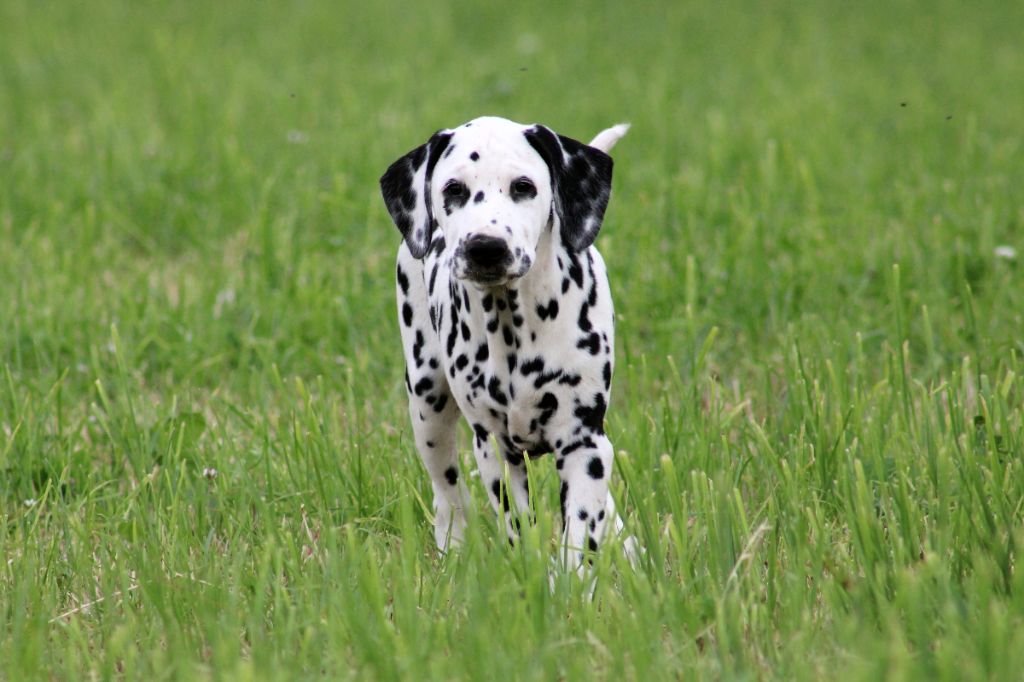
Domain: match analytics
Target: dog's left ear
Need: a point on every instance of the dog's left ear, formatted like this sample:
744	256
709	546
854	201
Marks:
406	189
582	183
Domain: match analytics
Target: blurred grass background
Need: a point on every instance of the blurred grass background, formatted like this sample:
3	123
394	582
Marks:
820	449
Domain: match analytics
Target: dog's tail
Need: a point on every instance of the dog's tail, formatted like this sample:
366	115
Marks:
606	139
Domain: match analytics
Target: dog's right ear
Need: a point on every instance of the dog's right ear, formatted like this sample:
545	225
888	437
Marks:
406	189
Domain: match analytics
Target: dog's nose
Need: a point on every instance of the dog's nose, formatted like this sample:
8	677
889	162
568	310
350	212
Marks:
487	251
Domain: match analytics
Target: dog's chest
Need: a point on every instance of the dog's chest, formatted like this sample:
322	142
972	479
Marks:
518	361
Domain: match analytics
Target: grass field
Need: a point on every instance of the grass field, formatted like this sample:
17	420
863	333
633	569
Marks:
206	470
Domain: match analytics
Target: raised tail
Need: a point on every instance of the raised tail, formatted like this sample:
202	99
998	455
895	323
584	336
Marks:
606	139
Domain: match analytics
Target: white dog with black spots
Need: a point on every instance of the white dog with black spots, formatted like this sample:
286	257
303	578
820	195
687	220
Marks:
506	317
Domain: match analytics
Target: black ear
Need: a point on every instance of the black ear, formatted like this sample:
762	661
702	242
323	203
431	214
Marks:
406	189
582	183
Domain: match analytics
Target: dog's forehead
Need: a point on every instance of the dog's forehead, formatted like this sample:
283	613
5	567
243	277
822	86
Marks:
490	140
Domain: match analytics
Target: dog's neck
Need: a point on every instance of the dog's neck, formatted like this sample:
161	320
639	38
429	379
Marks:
543	278
515	314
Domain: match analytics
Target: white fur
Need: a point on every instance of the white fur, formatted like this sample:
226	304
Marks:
607	138
495	353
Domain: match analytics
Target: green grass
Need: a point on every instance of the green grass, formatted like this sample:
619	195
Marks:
818	401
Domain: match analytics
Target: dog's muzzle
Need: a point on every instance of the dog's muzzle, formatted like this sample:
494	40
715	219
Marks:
486	259
487	252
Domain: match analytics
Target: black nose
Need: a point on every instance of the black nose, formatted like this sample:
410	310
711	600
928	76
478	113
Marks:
486	251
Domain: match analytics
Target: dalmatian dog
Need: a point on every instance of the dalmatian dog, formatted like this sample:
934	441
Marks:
506	317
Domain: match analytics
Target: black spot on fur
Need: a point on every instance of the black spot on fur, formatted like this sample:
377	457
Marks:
479	197
494	390
465	332
575	269
592	416
481	433
540	448
548	311
417	348
563	493
584	320
606	374
591	342
488	303
437	246
592	544
451	474
474	157
423	385
407	314
500	494
461	362
452	336
533	365
506	333
548	405
481	352
595	468
433	278
586	442
546	377
442	400
583	514
403	281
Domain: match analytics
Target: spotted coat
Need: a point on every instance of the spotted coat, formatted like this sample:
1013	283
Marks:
506	316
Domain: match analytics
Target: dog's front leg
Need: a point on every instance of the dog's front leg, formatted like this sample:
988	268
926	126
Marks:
492	475
584	466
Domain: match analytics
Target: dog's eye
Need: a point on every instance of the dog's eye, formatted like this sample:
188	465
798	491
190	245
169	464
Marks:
523	188
454	189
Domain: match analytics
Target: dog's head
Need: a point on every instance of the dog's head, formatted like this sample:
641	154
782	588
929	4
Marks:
493	188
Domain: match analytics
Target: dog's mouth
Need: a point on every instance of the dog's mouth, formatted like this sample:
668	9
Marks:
487	278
